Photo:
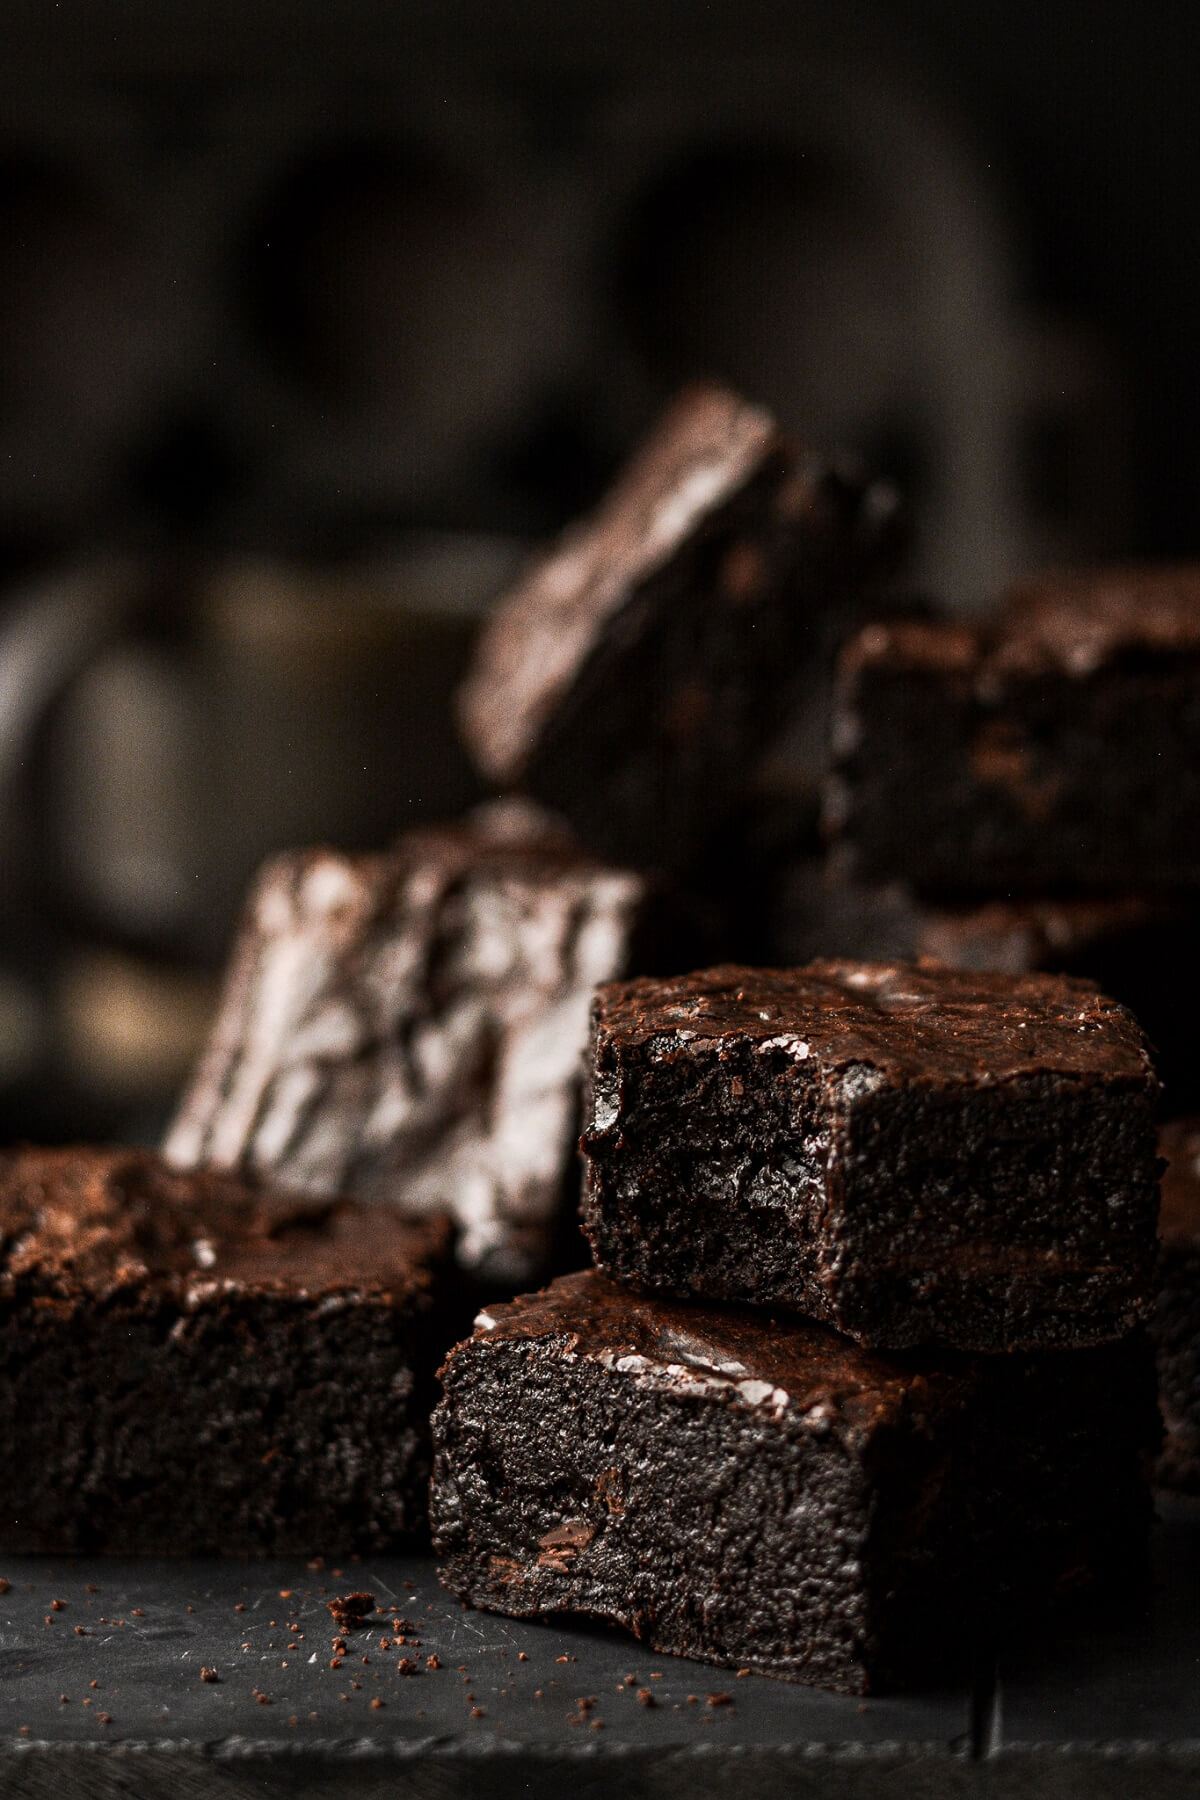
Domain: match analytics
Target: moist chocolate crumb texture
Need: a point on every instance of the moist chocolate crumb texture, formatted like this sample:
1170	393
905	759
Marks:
1176	1325
188	1364
409	1027
905	1152
761	1493
1055	746
634	676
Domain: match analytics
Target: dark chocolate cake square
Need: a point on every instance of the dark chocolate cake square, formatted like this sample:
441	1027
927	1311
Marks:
761	1493
409	1028
906	1152
188	1364
1056	745
635	675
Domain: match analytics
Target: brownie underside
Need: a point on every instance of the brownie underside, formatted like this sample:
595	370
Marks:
1056	782
245	1423
985	1216
853	1561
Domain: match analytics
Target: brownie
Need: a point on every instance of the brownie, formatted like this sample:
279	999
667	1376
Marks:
189	1364
906	1152
633	677
1140	948
1176	1325
409	1027
1054	745
759	1492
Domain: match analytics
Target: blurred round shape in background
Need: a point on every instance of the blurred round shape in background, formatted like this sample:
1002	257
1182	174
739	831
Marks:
130	1030
778	269
392	283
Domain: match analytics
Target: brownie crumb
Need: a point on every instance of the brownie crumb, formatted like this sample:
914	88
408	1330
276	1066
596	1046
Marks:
5	1584
741	1673
376	1704
57	1605
80	1631
521	1656
646	1697
207	1674
106	1718
431	1662
408	1665
350	1611
719	1700
477	1712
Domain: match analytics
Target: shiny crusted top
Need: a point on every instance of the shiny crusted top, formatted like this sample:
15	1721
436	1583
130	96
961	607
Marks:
735	1356
94	1222
1064	622
705	449
1179	1145
913	1021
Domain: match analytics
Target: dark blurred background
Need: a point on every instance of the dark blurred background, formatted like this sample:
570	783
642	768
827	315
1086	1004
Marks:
314	318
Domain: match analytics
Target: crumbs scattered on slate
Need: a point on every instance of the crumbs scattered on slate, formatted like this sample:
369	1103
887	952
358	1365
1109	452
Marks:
351	1610
207	1674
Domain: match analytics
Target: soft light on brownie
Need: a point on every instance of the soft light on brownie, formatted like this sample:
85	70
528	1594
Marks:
408	1027
906	1152
189	1364
761	1493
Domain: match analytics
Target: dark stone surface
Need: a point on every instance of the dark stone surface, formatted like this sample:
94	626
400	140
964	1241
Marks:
1112	1712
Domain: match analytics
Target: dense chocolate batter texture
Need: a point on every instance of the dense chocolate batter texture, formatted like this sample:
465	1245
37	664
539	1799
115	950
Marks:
759	1492
632	679
1056	745
906	1152
189	1364
409	1027
1176	1325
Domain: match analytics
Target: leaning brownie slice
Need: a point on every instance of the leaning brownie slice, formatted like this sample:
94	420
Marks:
1176	1326
761	1493
1055	745
906	1152
634	677
408	1027
190	1365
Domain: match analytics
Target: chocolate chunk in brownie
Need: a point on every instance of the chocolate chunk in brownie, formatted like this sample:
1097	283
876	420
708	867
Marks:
759	1492
906	1152
1056	745
409	1027
633	678
189	1364
1176	1325
1137	947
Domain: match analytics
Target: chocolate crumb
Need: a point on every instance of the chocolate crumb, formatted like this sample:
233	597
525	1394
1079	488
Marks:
80	1632
351	1610
91	1588
57	1605
63	1700
521	1656
292	1719
5	1585
431	1662
106	1718
208	1674
719	1700
646	1697
137	1612
597	1724
335	1662
376	1704
93	1684
693	1699
407	1665
239	1606
263	1699
741	1673
477	1712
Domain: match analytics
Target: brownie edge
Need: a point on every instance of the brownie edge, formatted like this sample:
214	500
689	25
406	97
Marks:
190	1364
761	1493
906	1152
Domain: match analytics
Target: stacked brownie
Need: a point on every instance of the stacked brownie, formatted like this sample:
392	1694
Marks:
858	1371
1022	792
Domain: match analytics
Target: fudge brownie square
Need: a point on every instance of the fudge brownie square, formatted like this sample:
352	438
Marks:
1140	948
759	1492
1176	1324
189	1364
1055	745
409	1028
906	1152
634	676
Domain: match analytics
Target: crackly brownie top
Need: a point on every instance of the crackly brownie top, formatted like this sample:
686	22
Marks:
914	1021
1179	1218
92	1221
705	449
738	1356
1066	622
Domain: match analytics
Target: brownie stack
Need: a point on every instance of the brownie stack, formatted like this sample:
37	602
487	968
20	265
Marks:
858	1372
1021	793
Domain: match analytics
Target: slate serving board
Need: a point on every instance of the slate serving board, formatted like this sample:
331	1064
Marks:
527	1709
